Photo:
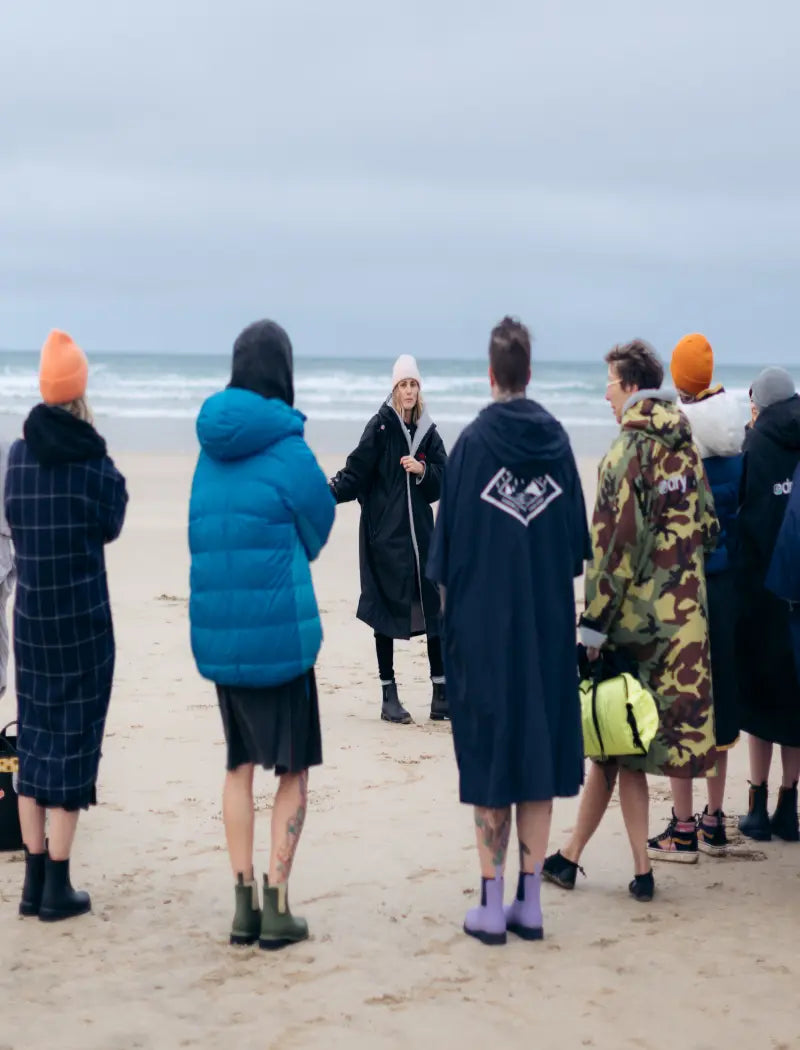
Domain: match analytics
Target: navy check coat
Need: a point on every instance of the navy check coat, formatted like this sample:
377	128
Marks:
61	515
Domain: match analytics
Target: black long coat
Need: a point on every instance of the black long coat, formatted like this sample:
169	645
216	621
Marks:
65	500
396	520
768	685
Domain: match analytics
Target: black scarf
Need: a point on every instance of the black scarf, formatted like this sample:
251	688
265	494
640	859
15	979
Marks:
55	436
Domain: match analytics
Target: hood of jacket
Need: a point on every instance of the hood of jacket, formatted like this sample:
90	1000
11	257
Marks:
235	424
521	431
781	423
263	363
55	436
387	413
654	413
717	424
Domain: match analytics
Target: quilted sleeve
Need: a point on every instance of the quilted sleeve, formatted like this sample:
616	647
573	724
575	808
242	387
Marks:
310	499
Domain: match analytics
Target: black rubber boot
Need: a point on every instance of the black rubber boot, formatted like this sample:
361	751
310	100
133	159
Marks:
33	886
439	709
756	824
391	708
59	899
784	821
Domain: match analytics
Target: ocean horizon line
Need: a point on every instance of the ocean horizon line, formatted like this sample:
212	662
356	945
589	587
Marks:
467	358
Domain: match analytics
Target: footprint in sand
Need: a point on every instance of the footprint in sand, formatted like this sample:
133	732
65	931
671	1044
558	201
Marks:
742	852
423	873
387	999
443	947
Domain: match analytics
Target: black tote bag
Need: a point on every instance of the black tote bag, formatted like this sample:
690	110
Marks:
10	834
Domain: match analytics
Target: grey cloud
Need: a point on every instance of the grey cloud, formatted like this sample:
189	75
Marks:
380	173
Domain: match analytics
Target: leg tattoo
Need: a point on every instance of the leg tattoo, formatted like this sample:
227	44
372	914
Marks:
294	827
495	826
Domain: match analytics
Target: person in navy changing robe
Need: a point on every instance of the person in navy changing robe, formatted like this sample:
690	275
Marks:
510	538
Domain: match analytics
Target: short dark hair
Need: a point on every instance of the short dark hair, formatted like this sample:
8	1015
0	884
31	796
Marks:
636	364
510	355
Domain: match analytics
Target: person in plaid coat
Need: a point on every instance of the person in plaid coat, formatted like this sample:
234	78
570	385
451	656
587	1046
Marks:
65	500
8	575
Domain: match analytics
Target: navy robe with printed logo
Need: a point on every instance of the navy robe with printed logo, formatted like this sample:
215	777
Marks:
510	538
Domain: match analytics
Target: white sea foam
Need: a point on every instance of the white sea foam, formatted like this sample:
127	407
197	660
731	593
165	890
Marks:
174	386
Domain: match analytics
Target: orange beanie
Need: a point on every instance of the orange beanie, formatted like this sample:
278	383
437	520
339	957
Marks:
63	370
692	364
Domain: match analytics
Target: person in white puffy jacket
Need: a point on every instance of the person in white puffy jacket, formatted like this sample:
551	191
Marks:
717	419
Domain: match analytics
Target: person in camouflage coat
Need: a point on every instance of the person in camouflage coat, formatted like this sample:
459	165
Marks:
646	596
646	585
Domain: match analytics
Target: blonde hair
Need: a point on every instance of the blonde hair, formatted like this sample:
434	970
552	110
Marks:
80	409
416	411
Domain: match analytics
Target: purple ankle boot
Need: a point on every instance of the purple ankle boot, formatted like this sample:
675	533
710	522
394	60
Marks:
488	921
524	916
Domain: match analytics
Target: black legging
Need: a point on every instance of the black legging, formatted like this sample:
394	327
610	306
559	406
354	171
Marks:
384	647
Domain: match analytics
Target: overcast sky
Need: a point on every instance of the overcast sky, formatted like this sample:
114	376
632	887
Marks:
382	177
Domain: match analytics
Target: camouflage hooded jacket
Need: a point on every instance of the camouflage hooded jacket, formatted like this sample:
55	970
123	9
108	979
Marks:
645	588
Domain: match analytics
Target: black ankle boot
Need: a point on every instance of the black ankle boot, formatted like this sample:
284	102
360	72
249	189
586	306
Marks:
59	900
439	709
391	708
784	821
34	883
642	887
756	824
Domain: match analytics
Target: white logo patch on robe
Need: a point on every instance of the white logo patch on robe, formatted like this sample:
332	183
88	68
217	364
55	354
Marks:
523	500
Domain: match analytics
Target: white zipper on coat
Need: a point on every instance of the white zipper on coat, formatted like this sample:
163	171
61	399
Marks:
412	446
416	549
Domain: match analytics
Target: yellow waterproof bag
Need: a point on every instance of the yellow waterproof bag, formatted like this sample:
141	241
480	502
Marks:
619	716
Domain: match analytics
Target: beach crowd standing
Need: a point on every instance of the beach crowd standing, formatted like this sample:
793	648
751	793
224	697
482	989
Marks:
692	590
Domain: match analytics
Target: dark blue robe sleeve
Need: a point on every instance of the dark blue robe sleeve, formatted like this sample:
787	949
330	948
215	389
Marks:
581	539
438	556
783	578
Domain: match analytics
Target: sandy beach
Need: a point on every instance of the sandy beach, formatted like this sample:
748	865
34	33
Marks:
384	873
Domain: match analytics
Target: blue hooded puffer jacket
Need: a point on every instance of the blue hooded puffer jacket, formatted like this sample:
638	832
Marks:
260	511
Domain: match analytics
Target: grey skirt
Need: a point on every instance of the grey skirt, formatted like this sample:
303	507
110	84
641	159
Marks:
276	727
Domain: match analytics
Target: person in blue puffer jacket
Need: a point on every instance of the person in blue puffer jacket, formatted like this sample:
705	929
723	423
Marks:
260	512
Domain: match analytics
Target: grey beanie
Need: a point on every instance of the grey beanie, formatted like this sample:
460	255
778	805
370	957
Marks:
771	386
